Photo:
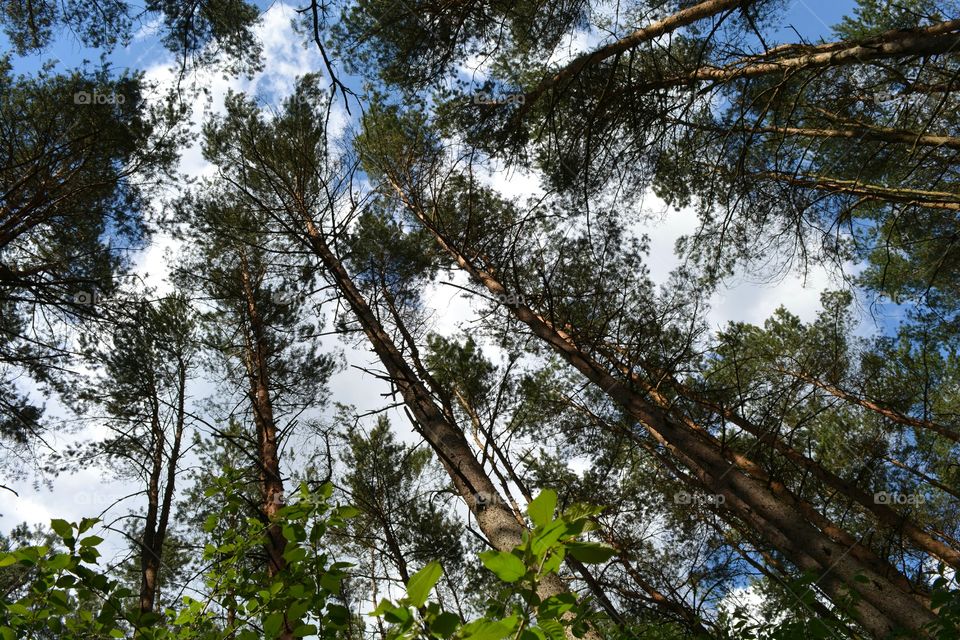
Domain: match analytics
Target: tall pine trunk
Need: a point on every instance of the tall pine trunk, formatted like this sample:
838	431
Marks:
271	480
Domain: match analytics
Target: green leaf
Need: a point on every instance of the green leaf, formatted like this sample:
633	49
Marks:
422	582
211	523
556	606
304	630
397	615
489	629
89	554
349	512
294	555
272	624
507	566
384	606
7	559
86	524
59	598
59	561
548	537
331	582
91	541
542	507
552	564
445	624
325	491
62	528
553	629
338	615
297	609
591	552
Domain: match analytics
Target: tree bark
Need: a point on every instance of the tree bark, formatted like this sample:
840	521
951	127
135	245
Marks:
159	507
150	546
646	34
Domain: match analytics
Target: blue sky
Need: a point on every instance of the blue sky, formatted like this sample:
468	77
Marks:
810	18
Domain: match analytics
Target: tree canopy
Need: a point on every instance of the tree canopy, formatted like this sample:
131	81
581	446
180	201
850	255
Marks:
577	447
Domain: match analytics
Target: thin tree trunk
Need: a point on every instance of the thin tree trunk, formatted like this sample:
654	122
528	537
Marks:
876	407
166	503
919	197
857	133
149	552
646	34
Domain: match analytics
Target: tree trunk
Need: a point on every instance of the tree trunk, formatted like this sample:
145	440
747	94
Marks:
271	481
159	507
883	605
937	39
495	519
647	34
150	547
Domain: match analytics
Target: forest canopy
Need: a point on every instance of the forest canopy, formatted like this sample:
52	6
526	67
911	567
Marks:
420	360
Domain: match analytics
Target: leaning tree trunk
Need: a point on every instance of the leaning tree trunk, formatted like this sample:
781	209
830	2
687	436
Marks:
495	519
883	604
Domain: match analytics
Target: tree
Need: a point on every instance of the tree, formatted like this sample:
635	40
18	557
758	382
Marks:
255	327
143	362
592	341
201	30
74	183
401	525
282	168
802	459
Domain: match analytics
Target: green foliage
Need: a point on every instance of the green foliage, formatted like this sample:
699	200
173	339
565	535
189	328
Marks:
945	599
66	595
520	612
62	591
416	45
75	172
69	596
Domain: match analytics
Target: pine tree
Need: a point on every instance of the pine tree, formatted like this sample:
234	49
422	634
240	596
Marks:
266	350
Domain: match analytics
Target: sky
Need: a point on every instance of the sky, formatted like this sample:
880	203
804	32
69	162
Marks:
88	491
